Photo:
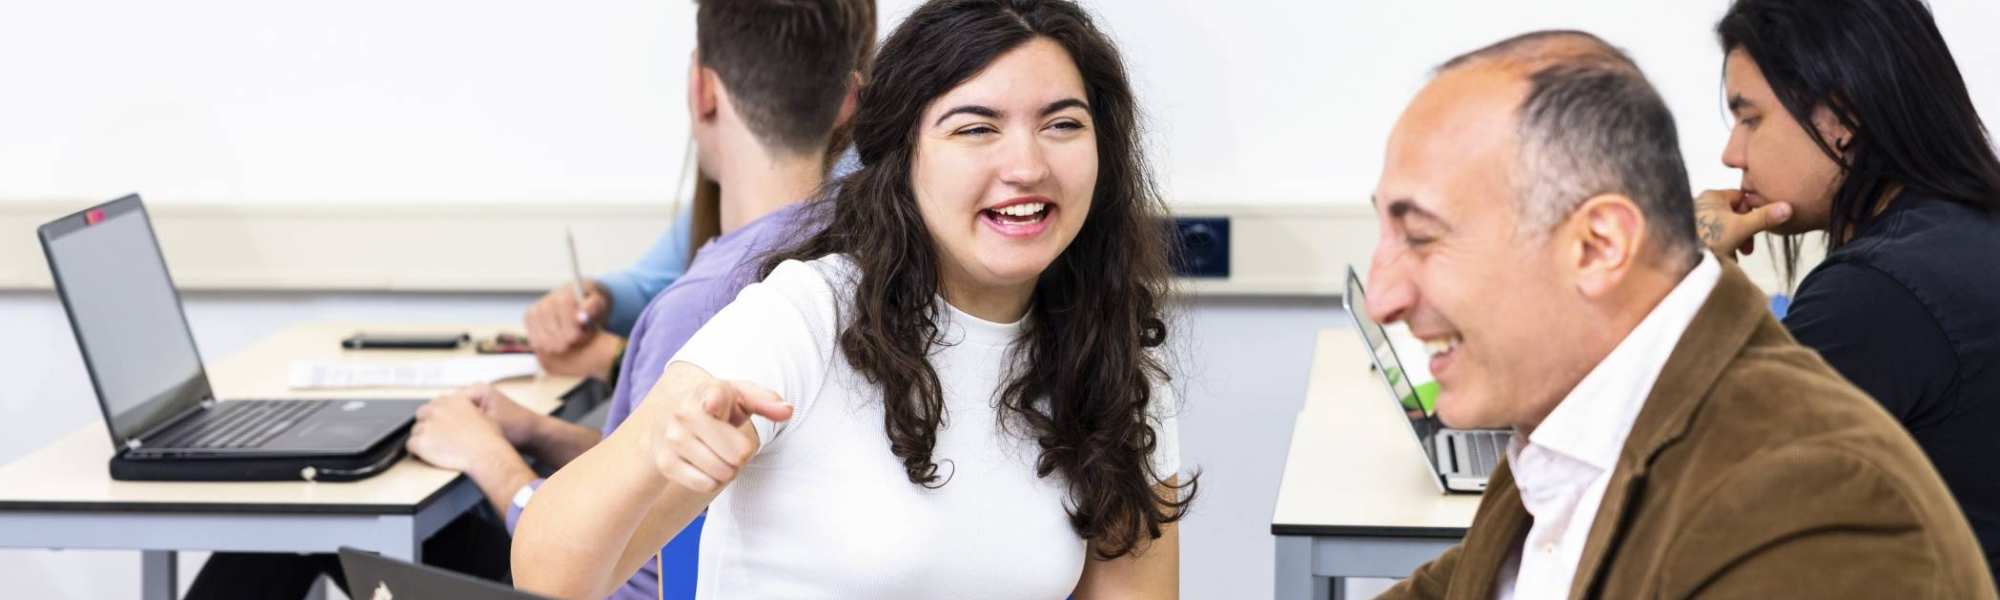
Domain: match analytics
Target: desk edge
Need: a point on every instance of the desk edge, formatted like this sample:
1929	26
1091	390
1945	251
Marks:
265	508
1367	531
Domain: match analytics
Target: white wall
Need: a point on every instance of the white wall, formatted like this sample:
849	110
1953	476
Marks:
1245	363
248	101
1292	100
1252	101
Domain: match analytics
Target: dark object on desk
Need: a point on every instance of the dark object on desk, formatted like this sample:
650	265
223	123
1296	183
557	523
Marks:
405	341
372	576
1201	247
503	343
164	419
367	464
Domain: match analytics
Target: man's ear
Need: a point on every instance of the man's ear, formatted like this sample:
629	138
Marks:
701	89
849	101
1606	234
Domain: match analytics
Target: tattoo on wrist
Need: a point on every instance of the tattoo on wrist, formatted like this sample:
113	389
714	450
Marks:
1709	227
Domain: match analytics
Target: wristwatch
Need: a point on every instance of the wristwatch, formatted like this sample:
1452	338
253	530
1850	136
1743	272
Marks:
522	495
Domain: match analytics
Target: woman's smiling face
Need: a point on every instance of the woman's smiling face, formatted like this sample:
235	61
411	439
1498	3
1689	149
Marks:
1004	170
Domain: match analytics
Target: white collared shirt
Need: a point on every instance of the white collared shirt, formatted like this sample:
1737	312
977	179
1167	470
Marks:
1562	469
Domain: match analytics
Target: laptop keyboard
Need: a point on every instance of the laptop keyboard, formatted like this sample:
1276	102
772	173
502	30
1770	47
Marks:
241	424
1486	449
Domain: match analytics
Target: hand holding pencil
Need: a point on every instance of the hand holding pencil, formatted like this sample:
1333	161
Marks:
565	317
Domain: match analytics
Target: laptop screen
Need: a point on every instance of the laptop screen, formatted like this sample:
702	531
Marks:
1390	366
126	315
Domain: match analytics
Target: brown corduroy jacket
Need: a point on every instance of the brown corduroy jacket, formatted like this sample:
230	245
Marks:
1753	471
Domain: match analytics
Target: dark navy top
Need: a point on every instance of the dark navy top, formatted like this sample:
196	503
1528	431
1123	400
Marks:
1909	310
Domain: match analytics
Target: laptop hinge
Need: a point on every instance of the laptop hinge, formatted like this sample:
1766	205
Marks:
137	441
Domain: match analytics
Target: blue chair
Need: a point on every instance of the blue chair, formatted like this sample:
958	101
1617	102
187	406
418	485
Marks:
1780	304
679	559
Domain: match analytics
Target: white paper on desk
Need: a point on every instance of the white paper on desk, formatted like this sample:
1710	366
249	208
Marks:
440	373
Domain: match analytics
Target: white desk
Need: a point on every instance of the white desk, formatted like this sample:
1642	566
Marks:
62	496
1355	500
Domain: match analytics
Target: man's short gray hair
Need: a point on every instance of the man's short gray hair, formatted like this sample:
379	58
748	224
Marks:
1592	124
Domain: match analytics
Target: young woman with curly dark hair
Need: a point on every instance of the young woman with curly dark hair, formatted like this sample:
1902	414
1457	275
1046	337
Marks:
953	388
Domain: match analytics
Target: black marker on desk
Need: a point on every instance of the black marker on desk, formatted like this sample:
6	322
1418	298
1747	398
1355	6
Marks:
405	341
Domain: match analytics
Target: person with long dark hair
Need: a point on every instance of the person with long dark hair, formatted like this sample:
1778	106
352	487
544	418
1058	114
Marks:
953	388
1851	119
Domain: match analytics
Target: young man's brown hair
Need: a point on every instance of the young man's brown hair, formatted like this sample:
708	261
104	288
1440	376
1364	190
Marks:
782	61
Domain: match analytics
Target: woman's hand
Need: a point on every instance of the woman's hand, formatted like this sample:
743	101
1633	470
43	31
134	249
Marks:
705	440
608	511
1728	226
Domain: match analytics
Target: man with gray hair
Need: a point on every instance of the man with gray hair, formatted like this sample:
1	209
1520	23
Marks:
1670	439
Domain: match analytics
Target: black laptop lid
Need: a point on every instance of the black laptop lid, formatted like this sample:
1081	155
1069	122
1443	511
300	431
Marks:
126	315
372	576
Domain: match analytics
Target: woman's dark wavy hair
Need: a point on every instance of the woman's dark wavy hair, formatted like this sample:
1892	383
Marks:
1096	312
1883	70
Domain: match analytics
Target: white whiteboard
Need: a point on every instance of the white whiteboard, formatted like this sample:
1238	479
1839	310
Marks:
457	101
281	101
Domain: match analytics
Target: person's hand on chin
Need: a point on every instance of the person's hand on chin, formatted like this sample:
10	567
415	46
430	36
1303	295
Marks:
1728	225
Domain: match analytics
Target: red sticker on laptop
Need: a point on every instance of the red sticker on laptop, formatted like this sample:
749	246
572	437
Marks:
93	217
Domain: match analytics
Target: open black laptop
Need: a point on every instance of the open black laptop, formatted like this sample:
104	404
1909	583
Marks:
372	576
164	420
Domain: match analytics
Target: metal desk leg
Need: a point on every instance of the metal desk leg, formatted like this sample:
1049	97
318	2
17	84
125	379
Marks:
1294	571
156	575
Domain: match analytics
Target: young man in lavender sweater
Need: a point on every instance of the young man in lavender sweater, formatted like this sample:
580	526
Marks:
769	85
769	88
